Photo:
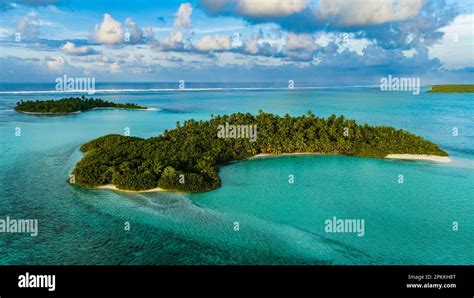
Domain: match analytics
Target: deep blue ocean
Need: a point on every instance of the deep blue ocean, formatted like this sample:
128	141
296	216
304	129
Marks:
279	222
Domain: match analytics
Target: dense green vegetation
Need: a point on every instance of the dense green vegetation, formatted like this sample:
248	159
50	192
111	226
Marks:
467	88
69	105
194	151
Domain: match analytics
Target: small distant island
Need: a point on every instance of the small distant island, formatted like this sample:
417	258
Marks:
70	105
465	88
187	158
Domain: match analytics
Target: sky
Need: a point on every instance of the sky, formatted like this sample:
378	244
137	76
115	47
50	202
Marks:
325	42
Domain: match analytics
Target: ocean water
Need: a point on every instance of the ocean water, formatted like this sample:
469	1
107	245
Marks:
279	222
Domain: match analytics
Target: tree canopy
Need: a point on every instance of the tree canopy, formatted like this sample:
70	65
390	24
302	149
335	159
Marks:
187	158
460	88
69	105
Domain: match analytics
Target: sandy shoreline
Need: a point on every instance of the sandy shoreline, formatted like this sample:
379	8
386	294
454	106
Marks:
390	156
113	187
419	157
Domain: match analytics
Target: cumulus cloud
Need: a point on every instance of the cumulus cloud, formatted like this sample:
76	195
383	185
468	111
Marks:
456	48
300	42
176	40
344	38
214	43
135	32
254	45
173	42
113	32
303	47
183	16
28	27
344	12
270	8
255	9
251	45
386	22
352	44
367	12
149	34
71	49
110	31
299	47
55	64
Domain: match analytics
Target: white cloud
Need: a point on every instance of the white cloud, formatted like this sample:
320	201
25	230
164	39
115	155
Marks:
323	39
55	64
175	41
28	27
110	31
136	34
456	49
5	32
105	59
409	53
114	67
251	45
300	42
149	34
71	49
270	8
254	45
349	42
123	55
139	57
183	16
214	43
256	8
368	12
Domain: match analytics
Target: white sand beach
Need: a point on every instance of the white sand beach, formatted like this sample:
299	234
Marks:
419	157
435	158
113	187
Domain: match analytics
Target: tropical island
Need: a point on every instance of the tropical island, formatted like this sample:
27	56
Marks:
70	105
187	158
459	88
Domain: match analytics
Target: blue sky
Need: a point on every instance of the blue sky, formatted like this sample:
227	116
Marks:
327	42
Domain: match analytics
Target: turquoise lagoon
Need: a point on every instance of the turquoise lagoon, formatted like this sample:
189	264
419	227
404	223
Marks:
279	222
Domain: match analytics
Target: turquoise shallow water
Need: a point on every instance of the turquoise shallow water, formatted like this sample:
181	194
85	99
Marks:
280	223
